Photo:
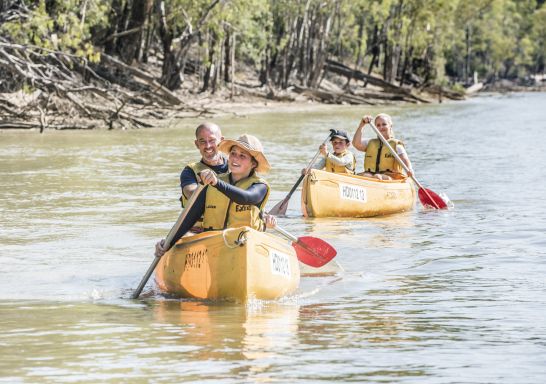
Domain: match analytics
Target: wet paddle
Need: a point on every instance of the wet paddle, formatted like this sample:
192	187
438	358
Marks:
168	239
310	250
427	197
281	206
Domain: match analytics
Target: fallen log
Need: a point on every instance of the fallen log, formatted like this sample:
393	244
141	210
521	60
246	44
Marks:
343	70
331	97
69	88
444	92
165	93
26	125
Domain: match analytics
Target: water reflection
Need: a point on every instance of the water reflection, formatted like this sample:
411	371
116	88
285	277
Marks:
257	330
385	231
77	341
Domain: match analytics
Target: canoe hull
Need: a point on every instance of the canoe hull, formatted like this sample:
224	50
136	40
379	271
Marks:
327	194
236	264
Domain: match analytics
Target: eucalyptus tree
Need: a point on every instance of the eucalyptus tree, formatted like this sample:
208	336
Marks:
538	36
496	38
58	25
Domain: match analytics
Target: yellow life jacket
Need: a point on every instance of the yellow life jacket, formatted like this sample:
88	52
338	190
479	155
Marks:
330	166
379	159
221	212
196	167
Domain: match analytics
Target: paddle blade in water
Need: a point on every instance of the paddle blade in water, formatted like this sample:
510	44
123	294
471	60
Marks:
313	251
430	199
280	208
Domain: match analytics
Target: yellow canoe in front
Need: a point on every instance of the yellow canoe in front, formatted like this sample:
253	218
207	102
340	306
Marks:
236	264
327	194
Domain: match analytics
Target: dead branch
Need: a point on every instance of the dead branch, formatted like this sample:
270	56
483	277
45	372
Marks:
68	87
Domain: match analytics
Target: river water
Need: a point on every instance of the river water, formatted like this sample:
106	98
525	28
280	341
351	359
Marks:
455	296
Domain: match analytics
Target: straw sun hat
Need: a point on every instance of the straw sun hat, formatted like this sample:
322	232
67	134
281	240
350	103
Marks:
252	145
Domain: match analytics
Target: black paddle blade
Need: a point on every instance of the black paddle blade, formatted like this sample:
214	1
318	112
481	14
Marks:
430	199
313	251
279	208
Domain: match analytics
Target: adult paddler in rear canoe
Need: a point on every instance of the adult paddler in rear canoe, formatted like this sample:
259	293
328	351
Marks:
386	158
379	162
381	190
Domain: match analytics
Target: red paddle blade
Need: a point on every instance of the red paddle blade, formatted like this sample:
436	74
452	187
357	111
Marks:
313	252
430	199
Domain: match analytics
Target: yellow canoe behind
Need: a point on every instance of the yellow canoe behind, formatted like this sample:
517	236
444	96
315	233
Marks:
327	194
238	264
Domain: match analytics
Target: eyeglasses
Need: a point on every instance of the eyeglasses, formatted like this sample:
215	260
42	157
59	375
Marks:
337	142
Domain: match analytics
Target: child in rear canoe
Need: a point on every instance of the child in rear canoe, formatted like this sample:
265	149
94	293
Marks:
341	160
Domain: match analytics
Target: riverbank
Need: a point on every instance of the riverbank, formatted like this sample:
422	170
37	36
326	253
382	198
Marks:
110	94
508	86
119	96
206	105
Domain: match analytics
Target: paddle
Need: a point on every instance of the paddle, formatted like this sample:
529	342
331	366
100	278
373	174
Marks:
427	197
310	250
168	240
281	206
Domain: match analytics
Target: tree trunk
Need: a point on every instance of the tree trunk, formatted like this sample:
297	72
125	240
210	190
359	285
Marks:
466	71
149	33
114	20
397	52
130	44
232	68
228	56
387	61
170	71
376	51
293	47
405	66
358	60
210	71
317	66
172	68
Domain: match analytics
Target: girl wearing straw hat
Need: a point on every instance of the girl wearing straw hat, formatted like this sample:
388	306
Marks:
234	199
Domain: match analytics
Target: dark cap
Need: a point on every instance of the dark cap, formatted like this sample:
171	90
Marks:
339	133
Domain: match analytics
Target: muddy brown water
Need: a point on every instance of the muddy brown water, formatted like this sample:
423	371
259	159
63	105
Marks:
454	296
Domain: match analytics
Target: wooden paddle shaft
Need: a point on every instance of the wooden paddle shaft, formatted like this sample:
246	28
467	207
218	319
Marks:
168	240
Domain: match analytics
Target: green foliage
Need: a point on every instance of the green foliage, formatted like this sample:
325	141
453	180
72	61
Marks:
458	88
66	25
249	20
440	39
538	38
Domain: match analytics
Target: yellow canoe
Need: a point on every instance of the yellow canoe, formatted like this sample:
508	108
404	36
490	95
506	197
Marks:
327	194
236	264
